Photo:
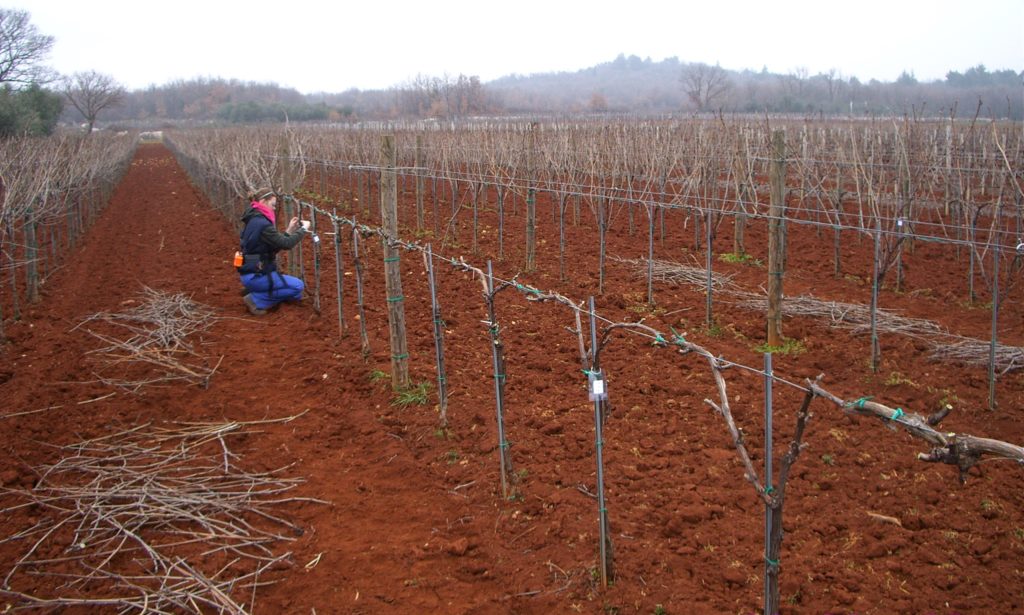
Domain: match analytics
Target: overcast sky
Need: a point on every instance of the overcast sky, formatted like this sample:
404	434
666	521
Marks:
320	45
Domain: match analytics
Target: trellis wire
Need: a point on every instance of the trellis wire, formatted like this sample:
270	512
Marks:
1010	352
729	206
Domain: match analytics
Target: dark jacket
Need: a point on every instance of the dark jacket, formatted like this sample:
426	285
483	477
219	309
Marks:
261	241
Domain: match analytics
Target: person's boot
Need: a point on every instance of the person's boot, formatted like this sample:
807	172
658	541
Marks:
249	303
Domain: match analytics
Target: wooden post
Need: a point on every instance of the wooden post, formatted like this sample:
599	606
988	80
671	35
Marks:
392	265
995	323
286	199
531	200
31	259
776	249
420	164
338	266
357	264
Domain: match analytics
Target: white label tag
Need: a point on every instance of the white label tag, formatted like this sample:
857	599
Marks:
598	388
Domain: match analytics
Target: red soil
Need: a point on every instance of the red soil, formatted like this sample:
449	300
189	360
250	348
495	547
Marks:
416	522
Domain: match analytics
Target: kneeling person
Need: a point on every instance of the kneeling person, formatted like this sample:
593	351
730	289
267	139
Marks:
260	243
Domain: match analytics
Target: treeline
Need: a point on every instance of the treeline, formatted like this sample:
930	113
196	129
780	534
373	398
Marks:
627	84
220	100
630	84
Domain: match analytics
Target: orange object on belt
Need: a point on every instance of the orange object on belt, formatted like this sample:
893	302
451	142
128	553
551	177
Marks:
238	259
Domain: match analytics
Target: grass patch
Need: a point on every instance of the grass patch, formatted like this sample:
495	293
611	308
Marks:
896	378
740	259
645	309
414	395
715	330
379	376
788	347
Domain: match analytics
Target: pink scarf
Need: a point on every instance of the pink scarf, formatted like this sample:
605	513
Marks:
266	211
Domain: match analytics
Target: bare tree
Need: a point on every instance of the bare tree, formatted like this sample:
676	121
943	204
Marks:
833	79
22	49
705	85
91	92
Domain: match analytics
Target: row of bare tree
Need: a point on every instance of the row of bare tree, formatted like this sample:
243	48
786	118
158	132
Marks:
50	188
620	170
897	181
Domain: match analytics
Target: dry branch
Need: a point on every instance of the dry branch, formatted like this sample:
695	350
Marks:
160	328
152	520
677	273
853	316
976	352
961	450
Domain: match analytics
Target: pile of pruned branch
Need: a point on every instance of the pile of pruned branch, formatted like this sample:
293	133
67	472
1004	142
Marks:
852	316
976	352
152	520
676	273
855	317
159	330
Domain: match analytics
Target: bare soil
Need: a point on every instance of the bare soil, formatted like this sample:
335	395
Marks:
416	522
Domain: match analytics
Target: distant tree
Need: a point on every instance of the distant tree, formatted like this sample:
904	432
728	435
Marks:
906	78
22	49
91	92
832	82
29	111
705	85
598	103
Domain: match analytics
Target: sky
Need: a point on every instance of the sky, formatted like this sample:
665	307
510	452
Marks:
324	46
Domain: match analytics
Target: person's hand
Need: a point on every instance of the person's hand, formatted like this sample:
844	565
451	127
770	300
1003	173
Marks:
293	225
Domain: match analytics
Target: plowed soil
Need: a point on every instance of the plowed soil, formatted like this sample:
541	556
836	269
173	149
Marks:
416	522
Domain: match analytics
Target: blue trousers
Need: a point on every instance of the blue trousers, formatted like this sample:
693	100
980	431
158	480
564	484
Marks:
285	288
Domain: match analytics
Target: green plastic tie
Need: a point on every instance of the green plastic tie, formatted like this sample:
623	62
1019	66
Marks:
769	490
772	562
898	414
392	259
859	404
658	339
500	377
677	338
399	357
504	445
396	299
